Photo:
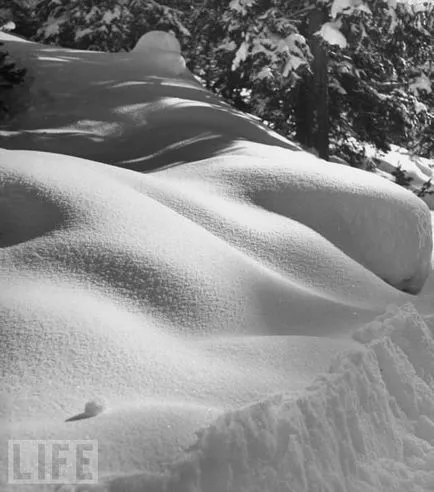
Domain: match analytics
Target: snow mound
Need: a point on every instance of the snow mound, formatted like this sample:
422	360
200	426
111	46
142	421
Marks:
308	192
330	32
416	168
158	40
366	425
163	50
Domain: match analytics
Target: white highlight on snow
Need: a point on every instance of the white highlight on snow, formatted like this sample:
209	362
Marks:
339	6
265	73
422	83
240	55
241	6
9	26
158	40
161	50
112	15
294	48
419	169
330	32
347	7
417	5
53	26
295	44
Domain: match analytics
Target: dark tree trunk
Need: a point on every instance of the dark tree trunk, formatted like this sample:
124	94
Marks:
320	82
304	111
311	110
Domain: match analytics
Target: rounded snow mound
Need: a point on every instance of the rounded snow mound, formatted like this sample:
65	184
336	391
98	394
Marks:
161	51
381	226
158	40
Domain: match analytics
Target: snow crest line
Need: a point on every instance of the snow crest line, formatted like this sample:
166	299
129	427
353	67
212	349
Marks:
366	425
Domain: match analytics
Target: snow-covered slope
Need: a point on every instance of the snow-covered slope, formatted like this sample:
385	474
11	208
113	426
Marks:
418	169
192	273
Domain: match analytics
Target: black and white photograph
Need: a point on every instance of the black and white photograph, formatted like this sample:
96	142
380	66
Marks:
216	246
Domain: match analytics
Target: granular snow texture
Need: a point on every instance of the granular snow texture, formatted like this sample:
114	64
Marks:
365	425
197	294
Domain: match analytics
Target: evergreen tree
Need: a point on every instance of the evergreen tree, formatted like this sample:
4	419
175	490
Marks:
11	76
23	14
369	91
267	58
253	54
401	178
107	25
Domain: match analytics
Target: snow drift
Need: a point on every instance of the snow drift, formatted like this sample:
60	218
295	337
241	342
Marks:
365	425
162	50
184	275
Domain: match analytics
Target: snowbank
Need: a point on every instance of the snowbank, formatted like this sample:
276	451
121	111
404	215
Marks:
158	40
365	425
162	50
416	168
183	275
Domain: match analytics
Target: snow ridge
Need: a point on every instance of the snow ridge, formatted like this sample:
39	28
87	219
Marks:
366	425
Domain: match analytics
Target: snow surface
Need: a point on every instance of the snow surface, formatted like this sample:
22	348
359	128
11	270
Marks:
163	50
419	169
330	32
241	6
347	7
422	83
232	301
158	40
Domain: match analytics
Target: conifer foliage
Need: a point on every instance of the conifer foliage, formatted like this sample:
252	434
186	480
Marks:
11	75
23	15
333	74
372	99
106	25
